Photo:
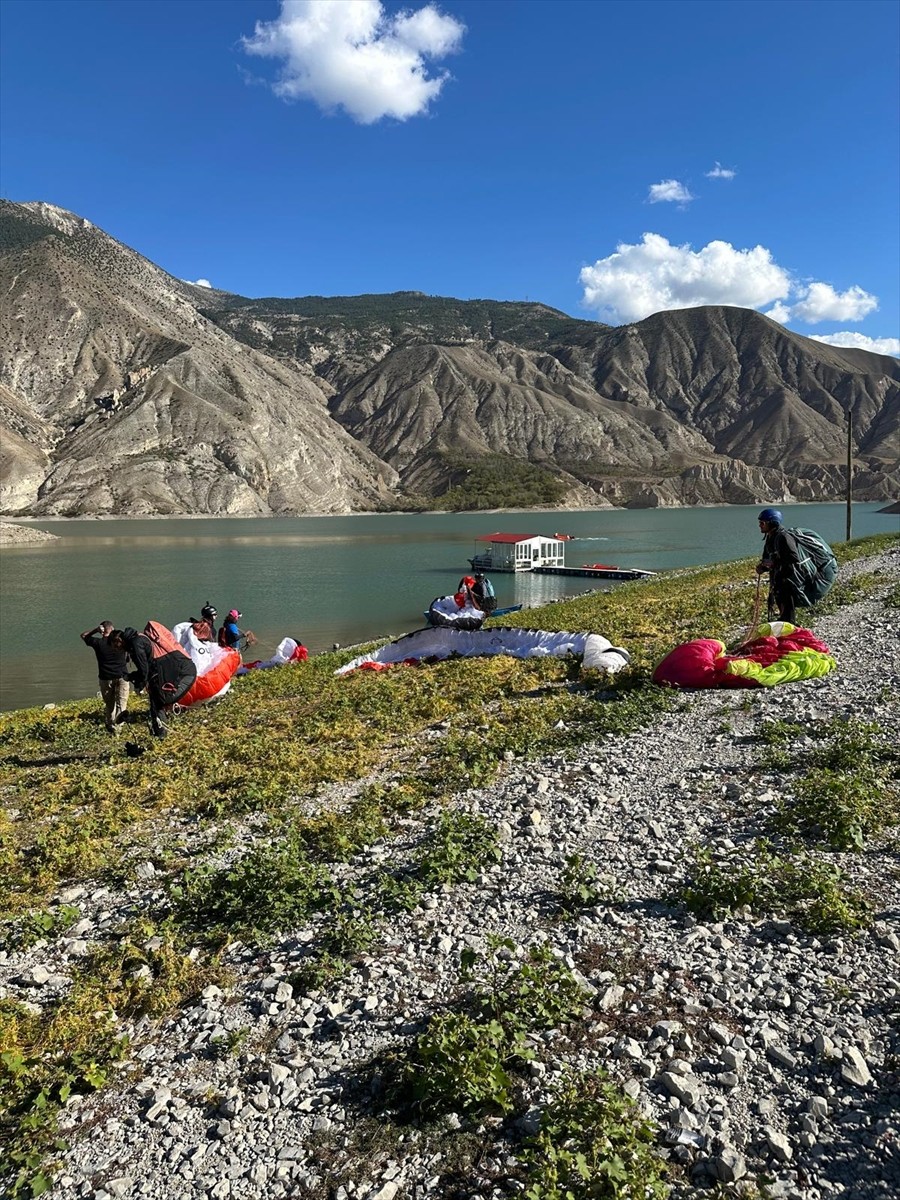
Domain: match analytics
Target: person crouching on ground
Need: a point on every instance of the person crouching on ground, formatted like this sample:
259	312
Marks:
167	677
112	669
204	626
231	637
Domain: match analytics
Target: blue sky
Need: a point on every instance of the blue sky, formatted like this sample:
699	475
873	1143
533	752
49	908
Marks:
563	152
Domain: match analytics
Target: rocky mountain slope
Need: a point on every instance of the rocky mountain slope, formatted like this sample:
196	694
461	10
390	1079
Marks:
119	397
695	406
124	390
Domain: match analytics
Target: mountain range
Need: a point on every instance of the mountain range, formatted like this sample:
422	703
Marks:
126	391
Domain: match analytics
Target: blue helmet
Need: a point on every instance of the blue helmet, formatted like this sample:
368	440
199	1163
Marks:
772	514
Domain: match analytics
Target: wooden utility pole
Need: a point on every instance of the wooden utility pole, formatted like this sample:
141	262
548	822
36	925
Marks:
849	472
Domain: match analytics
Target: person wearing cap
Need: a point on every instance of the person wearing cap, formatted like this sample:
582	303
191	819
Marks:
230	635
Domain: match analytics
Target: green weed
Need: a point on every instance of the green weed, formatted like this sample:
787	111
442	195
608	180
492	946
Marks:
272	887
469	1061
74	1045
461	845
229	1045
593	1144
582	886
38	925
396	893
804	888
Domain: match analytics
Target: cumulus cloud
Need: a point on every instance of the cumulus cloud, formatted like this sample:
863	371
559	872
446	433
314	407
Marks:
859	341
656	275
638	280
668	190
353	55
199	282
820	302
780	312
720	172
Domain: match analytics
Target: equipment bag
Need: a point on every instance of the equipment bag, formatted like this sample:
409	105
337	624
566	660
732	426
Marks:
162	640
817	565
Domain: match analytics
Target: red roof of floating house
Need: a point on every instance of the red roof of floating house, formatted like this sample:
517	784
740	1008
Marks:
509	537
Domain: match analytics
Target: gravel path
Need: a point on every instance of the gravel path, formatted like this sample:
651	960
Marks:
762	1052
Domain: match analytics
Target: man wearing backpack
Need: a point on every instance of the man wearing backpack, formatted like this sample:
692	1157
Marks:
800	564
483	592
162	667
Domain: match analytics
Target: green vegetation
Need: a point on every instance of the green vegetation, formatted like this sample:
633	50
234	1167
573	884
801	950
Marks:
74	808
581	885
496	481
74	1045
804	888
846	785
459	848
593	1143
411	315
272	887
469	1061
42	924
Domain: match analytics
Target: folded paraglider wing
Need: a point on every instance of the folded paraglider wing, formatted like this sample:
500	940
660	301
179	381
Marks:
782	653
440	643
216	666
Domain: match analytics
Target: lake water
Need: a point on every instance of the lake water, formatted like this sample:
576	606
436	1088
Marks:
320	579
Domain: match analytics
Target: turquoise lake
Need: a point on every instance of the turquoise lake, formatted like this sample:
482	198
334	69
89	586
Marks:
322	579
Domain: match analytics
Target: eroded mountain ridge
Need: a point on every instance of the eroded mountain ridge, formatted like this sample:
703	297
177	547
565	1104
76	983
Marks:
126	391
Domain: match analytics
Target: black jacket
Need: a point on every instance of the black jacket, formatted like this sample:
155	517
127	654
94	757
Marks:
167	678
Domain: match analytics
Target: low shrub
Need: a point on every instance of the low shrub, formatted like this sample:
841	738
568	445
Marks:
800	886
593	1144
461	845
272	887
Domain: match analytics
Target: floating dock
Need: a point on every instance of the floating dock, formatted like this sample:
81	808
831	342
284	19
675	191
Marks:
620	573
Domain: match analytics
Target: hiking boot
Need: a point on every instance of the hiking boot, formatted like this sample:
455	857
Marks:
158	726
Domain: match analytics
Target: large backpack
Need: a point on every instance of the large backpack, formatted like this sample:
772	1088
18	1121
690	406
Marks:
172	672
816	564
162	640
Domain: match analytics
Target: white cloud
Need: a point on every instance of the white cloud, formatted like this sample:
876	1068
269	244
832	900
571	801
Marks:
199	282
638	280
656	275
859	341
669	189
779	312
820	302
720	172
351	54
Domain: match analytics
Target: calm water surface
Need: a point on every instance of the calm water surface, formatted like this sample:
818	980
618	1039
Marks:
320	579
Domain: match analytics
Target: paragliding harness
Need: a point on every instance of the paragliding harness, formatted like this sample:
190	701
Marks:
817	562
811	577
170	674
246	639
486	595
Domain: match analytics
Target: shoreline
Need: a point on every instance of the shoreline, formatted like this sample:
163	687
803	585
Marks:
427	512
751	1042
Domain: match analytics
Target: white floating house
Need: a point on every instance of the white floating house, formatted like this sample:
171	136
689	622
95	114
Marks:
518	552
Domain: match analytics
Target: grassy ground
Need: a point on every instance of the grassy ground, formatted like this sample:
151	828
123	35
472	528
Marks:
75	807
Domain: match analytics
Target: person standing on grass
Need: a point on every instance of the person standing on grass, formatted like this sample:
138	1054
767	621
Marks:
800	564
112	668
